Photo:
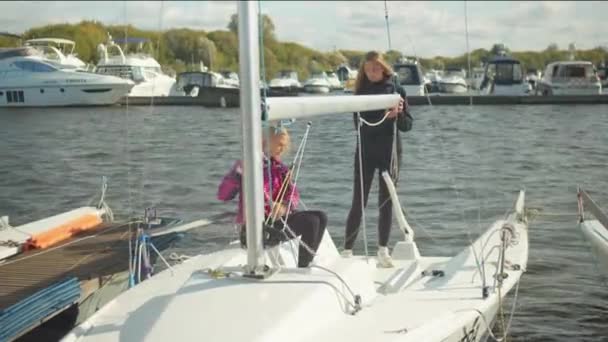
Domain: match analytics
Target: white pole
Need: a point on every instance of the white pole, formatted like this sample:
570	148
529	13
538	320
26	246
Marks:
252	132
300	107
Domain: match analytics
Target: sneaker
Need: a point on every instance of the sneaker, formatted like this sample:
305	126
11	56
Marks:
384	259
347	253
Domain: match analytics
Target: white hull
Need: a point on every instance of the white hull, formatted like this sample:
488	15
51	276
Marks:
453	88
316	89
72	95
284	84
160	86
191	303
507	90
20	235
597	236
575	90
414	90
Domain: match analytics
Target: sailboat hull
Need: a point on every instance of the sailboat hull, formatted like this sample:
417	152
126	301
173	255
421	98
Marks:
597	236
404	303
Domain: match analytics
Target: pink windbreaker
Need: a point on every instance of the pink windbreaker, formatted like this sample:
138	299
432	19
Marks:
231	186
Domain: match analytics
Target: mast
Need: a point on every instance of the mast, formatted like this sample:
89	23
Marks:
251	114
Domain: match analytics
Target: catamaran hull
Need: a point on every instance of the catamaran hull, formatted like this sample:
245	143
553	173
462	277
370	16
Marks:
597	236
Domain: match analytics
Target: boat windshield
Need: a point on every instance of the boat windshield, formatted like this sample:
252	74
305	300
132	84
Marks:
506	73
575	71
407	75
33	66
192	79
287	74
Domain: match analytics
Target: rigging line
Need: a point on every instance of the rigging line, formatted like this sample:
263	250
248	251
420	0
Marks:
466	28
264	101
393	169
363	218
297	162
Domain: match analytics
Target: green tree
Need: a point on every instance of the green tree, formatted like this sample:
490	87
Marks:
393	56
498	47
267	26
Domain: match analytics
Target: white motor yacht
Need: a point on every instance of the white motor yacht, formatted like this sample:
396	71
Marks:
476	77
27	79
140	68
317	83
334	81
504	76
410	77
231	79
569	78
286	80
453	81
347	77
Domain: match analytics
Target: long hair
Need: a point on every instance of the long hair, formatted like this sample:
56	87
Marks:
362	77
276	132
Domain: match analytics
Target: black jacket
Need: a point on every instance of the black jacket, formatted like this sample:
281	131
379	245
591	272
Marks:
383	134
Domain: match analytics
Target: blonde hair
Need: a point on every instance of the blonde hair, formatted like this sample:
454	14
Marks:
275	132
374	56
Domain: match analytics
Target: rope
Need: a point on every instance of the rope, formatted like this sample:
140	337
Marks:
363	219
298	162
483	317
356	298
374	124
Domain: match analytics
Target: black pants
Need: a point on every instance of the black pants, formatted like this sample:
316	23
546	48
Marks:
309	224
375	157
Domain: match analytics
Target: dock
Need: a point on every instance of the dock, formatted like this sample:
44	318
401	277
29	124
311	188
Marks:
40	284
439	100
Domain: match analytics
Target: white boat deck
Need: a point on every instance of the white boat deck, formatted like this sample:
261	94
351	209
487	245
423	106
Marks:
192	304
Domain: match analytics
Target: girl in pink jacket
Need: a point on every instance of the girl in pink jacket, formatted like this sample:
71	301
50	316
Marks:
309	224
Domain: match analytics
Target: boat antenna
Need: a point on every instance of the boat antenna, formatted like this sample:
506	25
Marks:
388	30
466	30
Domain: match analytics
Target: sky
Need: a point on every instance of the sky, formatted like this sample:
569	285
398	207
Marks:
419	28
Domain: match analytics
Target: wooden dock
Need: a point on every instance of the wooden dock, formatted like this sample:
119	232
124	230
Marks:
89	258
440	99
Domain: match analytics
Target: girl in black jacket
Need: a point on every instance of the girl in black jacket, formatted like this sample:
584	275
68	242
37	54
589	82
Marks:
380	149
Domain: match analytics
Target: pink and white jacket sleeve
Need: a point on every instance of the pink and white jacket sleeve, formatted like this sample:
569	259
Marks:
231	183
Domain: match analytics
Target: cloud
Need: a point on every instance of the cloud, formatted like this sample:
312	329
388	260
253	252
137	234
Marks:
426	28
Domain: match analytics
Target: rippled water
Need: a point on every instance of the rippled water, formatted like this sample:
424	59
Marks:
462	168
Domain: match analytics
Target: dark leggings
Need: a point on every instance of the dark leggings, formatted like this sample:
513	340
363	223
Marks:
309	224
370	164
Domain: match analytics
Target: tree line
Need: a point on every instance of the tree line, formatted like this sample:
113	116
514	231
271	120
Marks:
183	49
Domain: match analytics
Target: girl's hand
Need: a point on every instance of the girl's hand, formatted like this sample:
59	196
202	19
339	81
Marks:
238	169
279	210
396	110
